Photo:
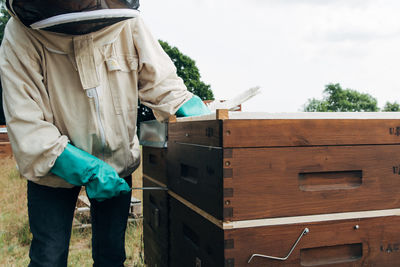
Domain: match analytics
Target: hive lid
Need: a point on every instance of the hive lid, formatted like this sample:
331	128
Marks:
298	115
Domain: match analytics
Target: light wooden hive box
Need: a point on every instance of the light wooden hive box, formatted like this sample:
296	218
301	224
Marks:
252	184
5	146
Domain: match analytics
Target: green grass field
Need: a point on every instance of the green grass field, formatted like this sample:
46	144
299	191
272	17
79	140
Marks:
15	235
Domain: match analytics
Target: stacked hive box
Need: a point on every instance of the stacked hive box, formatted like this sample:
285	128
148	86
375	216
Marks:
153	137
244	189
5	147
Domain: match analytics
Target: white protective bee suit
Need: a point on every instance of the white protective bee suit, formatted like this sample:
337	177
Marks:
83	89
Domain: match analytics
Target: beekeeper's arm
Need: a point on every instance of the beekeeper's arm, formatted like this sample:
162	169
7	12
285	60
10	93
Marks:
37	144
159	86
35	141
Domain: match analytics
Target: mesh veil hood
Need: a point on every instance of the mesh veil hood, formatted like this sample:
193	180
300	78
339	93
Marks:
72	16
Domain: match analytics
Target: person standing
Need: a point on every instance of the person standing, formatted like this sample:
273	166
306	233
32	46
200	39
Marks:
72	73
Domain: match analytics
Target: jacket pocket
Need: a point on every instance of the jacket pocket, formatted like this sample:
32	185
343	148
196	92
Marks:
123	81
124	63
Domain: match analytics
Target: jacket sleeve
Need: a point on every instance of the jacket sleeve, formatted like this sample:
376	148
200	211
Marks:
160	88
35	141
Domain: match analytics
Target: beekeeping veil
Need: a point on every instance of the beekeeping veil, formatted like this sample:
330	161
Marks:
72	16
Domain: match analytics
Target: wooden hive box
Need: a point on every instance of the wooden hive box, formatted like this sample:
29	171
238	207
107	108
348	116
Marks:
197	241
244	184
153	138
5	146
254	166
155	225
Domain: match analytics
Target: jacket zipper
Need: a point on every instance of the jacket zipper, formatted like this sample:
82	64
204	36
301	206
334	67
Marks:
92	93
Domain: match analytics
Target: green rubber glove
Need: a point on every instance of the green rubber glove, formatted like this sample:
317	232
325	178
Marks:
79	168
193	107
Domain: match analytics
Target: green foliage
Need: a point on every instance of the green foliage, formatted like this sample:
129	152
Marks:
4	17
190	74
391	107
188	71
337	99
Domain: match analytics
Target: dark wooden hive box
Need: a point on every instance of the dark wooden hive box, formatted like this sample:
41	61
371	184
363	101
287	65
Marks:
286	165
252	183
155	225
195	241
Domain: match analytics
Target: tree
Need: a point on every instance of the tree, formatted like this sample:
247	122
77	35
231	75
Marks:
4	17
190	74
337	99
391	107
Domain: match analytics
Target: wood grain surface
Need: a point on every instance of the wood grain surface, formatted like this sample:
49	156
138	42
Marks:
255	183
281	132
365	242
357	242
294	181
5	150
200	132
270	133
4	137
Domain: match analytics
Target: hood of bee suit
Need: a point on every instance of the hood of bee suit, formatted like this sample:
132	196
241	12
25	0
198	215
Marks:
73	17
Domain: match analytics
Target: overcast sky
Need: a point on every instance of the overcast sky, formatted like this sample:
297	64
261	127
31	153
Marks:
291	48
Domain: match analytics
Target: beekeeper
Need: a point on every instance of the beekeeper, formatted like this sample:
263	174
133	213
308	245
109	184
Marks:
72	73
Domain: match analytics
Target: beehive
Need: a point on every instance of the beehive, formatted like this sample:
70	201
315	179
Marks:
250	183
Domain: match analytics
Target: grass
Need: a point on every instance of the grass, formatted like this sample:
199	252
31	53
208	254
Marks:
15	235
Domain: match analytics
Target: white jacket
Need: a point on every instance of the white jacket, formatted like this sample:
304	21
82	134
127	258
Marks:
83	89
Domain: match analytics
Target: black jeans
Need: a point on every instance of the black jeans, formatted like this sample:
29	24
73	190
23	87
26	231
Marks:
51	212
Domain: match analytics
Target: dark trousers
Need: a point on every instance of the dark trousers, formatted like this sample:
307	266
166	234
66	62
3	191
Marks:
51	212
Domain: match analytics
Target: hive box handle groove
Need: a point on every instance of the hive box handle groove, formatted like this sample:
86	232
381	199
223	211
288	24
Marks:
334	180
322	256
189	173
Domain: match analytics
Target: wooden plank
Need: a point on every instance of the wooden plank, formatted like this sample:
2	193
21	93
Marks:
206	133
222	114
286	132
5	150
273	133
299	116
269	182
135	209
4	137
311	218
172	119
196	209
359	242
84	199
3	134
156	182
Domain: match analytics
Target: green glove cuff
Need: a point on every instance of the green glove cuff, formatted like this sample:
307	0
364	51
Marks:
74	165
79	168
193	107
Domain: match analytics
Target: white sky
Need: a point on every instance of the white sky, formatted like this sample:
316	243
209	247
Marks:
291	48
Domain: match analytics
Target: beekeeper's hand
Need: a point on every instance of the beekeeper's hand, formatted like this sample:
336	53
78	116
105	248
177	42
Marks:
79	168
193	107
